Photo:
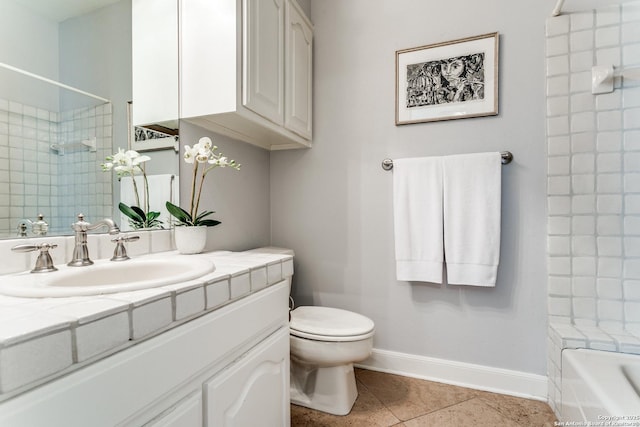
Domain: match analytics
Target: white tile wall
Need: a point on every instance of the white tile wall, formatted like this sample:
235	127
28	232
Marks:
42	181
593	186
594	180
85	190
632	140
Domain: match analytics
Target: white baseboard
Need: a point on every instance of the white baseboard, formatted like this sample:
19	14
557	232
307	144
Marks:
497	380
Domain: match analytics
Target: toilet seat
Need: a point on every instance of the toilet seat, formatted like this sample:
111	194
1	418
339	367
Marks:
329	324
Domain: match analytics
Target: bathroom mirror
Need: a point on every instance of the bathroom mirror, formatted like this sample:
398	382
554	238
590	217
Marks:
65	88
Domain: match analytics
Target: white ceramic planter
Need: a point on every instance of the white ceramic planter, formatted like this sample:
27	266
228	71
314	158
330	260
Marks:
190	240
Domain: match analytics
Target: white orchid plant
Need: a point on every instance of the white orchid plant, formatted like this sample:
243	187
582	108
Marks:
204	158
131	163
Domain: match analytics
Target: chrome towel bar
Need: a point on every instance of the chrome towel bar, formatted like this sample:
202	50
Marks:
507	157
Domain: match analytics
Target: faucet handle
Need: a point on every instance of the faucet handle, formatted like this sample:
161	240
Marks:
80	224
44	263
120	252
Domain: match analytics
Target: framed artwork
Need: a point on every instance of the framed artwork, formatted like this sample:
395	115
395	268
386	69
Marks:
444	81
152	137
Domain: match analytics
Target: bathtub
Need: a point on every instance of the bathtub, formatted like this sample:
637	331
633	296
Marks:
600	387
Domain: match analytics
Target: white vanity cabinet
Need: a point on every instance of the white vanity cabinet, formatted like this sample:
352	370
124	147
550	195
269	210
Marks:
246	70
186	413
253	385
227	367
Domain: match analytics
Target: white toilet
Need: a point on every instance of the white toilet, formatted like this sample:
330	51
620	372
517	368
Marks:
325	342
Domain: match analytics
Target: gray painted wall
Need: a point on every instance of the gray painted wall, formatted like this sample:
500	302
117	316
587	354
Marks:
239	198
95	55
332	204
29	42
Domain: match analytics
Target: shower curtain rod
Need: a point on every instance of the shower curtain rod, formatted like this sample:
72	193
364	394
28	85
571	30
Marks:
581	5
53	82
507	157
558	9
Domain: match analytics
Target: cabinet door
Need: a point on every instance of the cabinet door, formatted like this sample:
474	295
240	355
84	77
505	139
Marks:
255	387
263	54
186	413
298	70
155	61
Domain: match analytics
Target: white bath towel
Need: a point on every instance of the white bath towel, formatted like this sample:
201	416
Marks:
162	188
472	187
417	211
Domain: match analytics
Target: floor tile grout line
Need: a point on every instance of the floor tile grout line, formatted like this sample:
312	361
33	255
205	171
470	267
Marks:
379	400
432	412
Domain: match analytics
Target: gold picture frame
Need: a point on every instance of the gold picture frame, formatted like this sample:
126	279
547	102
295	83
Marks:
450	80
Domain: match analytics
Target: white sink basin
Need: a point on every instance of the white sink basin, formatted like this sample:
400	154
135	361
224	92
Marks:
105	277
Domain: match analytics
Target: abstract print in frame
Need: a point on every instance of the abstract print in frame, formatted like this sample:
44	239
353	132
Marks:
450	80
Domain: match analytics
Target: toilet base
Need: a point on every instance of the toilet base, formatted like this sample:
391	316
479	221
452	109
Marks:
330	389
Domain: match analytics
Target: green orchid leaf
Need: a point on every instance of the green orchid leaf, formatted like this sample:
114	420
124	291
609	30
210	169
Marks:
209	222
180	214
140	213
129	212
151	216
203	215
154	224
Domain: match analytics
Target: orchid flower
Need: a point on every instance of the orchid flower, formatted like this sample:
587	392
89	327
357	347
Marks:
202	152
190	153
130	163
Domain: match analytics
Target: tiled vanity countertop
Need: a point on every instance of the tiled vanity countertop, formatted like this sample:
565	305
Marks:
43	338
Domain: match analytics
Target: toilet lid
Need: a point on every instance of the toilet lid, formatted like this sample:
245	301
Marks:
328	322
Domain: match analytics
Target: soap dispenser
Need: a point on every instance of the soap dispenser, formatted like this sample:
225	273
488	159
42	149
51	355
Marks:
40	227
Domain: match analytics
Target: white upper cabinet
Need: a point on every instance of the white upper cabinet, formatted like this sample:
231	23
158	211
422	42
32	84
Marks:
298	69
245	70
263	71
155	61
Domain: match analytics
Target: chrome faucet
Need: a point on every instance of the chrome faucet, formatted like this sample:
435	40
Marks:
44	263
80	251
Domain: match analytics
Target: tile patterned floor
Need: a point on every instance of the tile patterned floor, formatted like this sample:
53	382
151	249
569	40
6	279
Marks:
393	400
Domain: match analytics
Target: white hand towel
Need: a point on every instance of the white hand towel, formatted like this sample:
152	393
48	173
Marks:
162	188
472	187
417	210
